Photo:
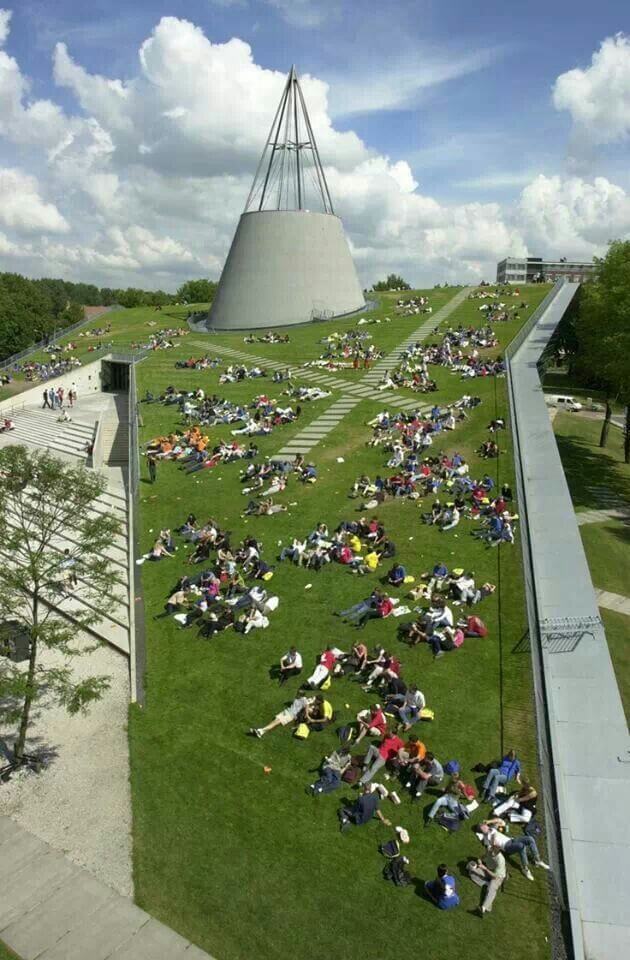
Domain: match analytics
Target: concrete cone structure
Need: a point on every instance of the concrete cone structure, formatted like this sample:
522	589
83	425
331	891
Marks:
289	261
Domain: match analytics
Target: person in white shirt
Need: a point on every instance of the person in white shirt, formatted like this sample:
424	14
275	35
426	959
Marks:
493	839
290	665
488	873
413	703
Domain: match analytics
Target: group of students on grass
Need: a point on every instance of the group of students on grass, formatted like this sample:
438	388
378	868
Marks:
458	351
199	363
269	337
404	760
232	593
413	305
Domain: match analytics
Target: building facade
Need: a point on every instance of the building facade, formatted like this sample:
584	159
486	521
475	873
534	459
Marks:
537	270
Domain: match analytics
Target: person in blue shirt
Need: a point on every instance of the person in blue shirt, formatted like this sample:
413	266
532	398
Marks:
397	574
508	769
442	890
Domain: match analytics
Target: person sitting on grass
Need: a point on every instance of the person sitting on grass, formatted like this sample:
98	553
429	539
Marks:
364	809
357	658
320	714
371	722
411	706
295	712
290	665
451	638
509	769
428	773
489	873
442	891
384	671
396	576
366	564
455	797
413	752
331	772
378	755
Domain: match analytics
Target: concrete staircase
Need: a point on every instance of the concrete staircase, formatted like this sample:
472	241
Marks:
113	624
41	429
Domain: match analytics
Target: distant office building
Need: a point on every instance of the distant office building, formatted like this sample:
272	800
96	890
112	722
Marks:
537	270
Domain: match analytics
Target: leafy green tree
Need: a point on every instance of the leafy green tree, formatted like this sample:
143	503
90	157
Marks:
603	333
41	499
197	291
393	282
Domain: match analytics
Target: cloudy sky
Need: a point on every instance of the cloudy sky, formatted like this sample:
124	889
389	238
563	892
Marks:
129	133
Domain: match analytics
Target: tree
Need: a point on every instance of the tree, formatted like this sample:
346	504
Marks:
41	499
197	291
603	333
393	282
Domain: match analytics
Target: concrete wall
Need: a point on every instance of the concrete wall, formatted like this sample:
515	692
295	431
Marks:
283	266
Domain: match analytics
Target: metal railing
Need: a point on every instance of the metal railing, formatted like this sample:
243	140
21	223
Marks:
56	337
518	340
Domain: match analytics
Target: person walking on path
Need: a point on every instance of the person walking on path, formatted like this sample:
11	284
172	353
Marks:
152	465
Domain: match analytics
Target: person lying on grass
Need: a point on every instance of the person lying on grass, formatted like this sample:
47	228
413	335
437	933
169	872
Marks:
364	809
326	662
491	835
299	711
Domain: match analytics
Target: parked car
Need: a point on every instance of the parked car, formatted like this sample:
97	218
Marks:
563	402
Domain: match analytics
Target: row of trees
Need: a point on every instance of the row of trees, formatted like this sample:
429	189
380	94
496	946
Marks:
30	310
393	282
597	337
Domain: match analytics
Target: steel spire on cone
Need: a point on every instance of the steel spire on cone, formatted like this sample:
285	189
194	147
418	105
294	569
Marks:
290	175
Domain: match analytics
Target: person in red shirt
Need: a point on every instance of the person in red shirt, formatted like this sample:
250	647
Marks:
372	722
383	608
326	662
377	756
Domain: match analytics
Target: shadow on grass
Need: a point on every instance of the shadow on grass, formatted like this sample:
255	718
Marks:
586	465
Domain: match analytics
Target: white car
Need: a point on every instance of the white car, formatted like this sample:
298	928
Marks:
563	402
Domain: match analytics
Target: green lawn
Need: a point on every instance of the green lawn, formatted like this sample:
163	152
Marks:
128	327
588	466
618	636
246	863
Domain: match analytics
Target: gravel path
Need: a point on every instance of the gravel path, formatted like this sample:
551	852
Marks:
80	803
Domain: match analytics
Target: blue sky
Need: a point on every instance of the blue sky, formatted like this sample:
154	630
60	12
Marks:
462	95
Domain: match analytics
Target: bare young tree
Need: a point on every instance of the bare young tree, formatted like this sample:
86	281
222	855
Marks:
55	579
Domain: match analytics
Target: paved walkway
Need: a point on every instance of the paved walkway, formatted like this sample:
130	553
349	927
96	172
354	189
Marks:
613	601
51	909
311	435
433	320
601	516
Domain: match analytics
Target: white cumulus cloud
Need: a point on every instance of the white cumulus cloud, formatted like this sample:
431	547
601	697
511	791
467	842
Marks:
598	97
147	176
22	207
